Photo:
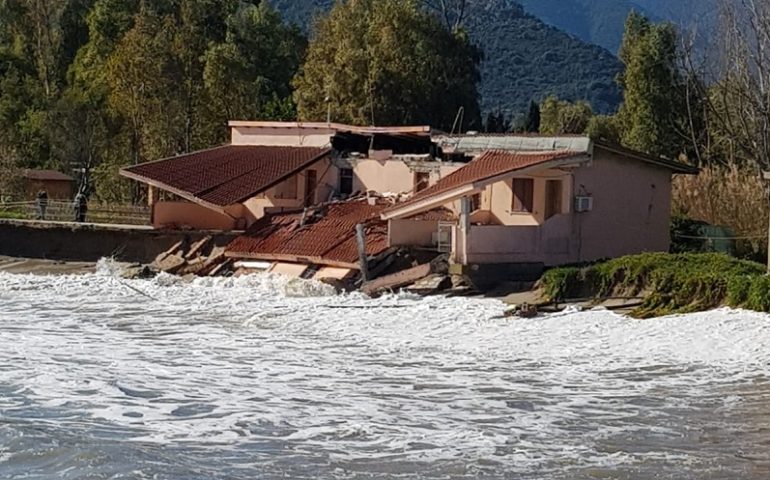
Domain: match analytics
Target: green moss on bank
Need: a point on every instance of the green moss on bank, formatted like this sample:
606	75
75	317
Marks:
669	284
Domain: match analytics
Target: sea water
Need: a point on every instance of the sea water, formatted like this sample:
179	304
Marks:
264	377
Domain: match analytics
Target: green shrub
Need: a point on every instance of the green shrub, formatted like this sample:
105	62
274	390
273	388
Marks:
668	283
759	295
738	290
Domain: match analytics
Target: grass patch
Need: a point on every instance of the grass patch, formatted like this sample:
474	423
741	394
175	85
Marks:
13	214
668	283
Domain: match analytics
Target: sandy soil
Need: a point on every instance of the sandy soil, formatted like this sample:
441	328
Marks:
44	267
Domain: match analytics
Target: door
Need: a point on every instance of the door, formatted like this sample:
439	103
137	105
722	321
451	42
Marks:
552	198
311	182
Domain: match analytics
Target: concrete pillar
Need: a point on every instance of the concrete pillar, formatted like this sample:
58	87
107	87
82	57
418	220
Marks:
152	196
464	230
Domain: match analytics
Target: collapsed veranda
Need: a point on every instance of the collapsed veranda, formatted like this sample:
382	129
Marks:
299	190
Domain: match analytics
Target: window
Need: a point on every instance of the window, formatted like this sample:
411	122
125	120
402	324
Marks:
476	202
287	189
553	196
421	181
346	181
523	195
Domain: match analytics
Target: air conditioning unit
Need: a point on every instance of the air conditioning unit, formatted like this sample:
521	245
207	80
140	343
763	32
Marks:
584	204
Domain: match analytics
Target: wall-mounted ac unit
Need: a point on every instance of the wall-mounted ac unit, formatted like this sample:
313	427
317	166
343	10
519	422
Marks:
584	204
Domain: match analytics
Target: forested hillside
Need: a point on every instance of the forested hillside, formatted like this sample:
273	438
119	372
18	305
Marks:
524	59
601	21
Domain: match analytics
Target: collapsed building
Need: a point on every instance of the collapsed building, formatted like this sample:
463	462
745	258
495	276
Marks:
332	201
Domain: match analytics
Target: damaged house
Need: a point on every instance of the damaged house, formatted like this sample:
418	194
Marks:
548	200
300	190
274	167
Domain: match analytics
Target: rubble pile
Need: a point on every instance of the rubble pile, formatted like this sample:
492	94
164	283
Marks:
201	258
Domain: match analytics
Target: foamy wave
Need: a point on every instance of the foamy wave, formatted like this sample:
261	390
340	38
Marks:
278	373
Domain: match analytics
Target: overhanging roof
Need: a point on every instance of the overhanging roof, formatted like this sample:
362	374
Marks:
489	168
674	166
226	175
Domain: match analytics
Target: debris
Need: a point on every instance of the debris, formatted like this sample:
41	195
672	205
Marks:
193	261
397	280
198	247
170	264
524	310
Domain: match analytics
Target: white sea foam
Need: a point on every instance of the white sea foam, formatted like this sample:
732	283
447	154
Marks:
287	374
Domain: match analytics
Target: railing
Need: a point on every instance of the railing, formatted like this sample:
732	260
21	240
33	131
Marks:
64	211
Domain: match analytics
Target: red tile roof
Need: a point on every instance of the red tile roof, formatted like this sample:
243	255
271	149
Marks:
47	175
327	238
226	175
488	165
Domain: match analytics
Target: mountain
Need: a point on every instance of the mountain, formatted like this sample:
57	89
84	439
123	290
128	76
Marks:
601	21
524	59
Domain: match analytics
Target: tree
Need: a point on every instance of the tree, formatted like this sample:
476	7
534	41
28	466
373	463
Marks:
558	117
249	74
388	62
604	127
652	116
451	11
497	123
533	118
142	75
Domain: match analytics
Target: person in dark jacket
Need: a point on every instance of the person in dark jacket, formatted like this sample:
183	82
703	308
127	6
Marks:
81	207
41	203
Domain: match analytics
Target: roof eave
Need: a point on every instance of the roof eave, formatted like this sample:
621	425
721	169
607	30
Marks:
175	191
674	166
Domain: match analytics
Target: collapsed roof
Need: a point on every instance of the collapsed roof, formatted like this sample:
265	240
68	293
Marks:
324	235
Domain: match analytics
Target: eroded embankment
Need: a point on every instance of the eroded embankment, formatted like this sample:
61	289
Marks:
666	283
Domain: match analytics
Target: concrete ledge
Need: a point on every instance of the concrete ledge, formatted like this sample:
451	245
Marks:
88	242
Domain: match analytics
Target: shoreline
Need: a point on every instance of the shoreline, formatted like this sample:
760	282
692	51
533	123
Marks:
36	266
510	297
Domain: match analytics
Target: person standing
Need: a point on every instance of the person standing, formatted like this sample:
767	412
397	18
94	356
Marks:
81	207
41	202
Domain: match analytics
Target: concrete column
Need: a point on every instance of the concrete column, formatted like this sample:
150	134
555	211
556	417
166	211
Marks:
152	196
464	230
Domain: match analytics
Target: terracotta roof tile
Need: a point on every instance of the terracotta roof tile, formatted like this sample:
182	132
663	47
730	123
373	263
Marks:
488	165
226	175
328	236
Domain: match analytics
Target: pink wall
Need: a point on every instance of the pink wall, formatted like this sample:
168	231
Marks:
285	137
189	215
631	214
631	211
405	232
383	176
327	176
552	243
